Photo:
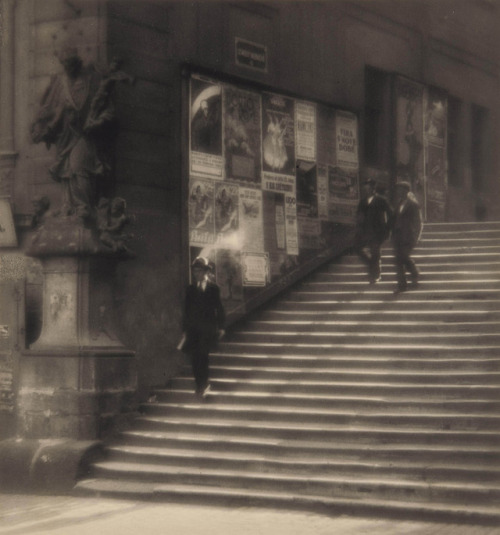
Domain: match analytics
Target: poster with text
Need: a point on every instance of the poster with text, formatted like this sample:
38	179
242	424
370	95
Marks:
226	210
292	235
436	182
242	135
205	129
305	130
326	135
322	181
255	268
307	189
229	276
251	220
309	233
278	143
346	125
201	212
435	116
343	194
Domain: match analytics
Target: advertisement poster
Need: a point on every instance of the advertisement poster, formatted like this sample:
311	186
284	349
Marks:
326	135
251	220
228	275
201	212
346	126
242	135
278	143
305	130
322	181
343	184
435	116
255	268
436	182
343	194
205	129
280	225
307	189
409	136
226	209
309	233
292	237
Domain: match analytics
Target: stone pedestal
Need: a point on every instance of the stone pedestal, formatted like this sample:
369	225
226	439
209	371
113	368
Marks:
77	380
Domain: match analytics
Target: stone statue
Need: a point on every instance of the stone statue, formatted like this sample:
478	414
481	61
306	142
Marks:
111	221
77	115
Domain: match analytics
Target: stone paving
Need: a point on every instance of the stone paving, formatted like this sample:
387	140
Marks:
54	515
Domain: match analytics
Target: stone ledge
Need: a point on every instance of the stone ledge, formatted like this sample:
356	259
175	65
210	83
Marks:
50	466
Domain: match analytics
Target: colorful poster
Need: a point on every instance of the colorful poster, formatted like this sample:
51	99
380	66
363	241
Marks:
226	209
292	236
326	135
278	143
346	125
242	135
305	130
229	275
409	135
201	212
322	181
205	129
251	220
255	267
307	189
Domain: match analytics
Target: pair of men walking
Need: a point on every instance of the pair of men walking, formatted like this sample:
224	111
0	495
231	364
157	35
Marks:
376	220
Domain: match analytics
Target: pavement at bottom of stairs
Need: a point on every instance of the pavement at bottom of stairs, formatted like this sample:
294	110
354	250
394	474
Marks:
66	515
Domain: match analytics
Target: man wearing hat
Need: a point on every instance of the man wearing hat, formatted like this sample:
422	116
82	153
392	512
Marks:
373	223
203	322
406	232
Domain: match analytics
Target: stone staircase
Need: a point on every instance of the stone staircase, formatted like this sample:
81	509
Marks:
341	397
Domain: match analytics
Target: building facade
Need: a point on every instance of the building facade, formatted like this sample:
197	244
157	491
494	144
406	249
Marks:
408	90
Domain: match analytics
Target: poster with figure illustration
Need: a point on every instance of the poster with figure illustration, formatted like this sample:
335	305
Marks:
322	182
292	233
201	212
229	277
278	143
205	128
410	136
242	135
226	209
251	220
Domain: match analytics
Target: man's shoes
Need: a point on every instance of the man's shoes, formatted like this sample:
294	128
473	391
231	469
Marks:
206	391
374	280
400	289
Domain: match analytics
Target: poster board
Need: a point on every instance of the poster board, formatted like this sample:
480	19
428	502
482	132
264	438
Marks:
270	175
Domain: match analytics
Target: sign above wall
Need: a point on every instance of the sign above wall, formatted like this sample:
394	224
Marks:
250	55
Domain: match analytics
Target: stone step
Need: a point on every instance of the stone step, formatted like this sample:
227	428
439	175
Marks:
466	226
425	285
458	454
373	362
428	377
389	275
302	416
340	337
350	265
312	431
319	485
421	258
334	402
387	389
408	303
301	465
283	499
378	326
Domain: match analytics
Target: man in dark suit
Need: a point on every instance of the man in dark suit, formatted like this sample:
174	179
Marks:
203	322
406	231
373	223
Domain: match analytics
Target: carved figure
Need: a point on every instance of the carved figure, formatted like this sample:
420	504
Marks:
41	206
112	220
75	115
